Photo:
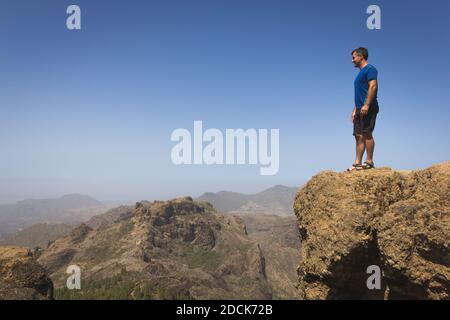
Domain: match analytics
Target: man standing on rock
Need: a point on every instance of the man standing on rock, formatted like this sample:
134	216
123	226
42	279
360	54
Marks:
366	109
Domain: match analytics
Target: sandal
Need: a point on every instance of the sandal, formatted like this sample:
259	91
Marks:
354	167
367	165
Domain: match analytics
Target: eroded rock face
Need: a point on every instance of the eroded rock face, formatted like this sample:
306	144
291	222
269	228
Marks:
21	278
177	249
399	221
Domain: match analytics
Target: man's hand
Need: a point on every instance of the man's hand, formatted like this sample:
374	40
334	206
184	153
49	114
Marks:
364	110
353	114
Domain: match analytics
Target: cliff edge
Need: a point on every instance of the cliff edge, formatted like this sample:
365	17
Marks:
396	220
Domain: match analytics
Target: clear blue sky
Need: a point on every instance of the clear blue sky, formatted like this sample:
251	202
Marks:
92	111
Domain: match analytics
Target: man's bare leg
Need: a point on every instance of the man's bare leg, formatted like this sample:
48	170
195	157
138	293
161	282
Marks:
360	148
370	146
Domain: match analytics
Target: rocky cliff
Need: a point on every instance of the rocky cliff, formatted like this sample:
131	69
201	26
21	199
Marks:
399	221
280	244
178	249
21	278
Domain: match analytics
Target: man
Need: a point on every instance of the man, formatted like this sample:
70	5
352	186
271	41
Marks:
366	109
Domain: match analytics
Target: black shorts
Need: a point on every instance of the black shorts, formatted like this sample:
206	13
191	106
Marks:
365	124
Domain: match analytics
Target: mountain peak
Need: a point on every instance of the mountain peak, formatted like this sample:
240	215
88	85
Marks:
278	187
173	249
72	199
276	200
178	206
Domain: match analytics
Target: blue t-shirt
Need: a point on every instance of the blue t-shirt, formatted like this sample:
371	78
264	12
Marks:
369	72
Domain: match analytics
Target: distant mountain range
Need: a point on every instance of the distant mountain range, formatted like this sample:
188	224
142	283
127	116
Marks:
277	200
68	209
37	235
35	222
168	240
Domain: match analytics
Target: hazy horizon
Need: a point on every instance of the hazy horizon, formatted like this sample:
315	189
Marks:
120	196
117	193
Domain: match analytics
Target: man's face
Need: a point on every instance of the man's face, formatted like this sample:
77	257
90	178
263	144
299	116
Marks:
357	59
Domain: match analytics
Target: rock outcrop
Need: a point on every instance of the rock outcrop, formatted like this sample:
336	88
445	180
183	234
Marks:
21	277
177	249
398	221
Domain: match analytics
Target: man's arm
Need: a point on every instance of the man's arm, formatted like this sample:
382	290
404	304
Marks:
373	85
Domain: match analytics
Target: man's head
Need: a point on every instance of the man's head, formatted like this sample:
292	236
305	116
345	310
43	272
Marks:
360	56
